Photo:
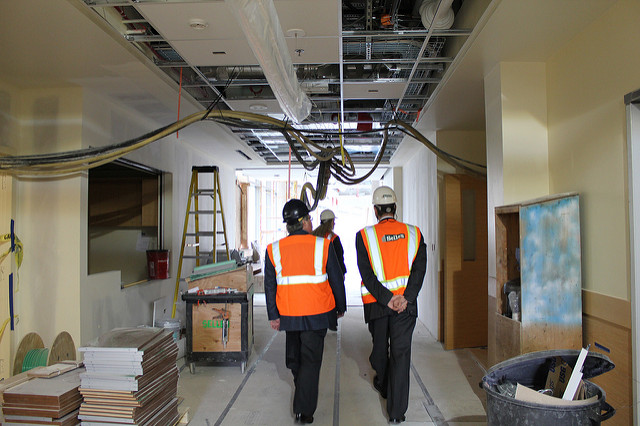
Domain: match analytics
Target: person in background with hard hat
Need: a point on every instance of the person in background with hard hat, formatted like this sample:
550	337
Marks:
392	259
305	295
325	230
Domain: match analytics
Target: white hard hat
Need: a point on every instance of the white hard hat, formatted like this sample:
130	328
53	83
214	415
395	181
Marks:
383	195
327	215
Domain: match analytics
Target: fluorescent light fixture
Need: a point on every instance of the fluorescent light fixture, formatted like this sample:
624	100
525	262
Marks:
259	21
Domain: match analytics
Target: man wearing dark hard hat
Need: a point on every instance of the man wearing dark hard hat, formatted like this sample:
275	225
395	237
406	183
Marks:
305	295
392	259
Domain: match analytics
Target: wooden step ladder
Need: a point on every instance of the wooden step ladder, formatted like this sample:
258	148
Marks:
203	201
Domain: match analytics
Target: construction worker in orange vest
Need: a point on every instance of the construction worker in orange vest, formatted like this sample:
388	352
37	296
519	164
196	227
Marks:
325	230
305	295
392	259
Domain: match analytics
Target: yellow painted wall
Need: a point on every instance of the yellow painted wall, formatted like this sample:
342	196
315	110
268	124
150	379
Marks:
47	300
467	144
7	267
587	80
516	141
8	130
524	131
55	293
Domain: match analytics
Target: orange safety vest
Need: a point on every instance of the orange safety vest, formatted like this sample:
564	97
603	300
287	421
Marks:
330	236
392	247
303	286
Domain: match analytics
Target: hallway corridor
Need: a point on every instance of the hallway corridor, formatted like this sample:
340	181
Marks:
444	384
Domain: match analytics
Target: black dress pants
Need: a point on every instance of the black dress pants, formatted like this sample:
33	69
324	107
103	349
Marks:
391	358
304	358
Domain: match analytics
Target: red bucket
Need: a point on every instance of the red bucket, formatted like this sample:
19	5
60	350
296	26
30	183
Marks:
158	264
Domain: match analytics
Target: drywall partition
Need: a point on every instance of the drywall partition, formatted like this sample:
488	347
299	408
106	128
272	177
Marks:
467	144
517	153
420	208
495	192
104	304
633	154
588	153
8	130
587	139
46	213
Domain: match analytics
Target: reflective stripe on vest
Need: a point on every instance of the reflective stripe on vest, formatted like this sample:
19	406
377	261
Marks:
318	278
395	284
301	277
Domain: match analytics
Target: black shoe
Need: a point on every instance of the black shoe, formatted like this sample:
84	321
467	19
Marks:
302	419
396	421
379	388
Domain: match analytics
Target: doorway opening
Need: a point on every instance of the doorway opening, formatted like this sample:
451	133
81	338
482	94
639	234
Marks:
266	194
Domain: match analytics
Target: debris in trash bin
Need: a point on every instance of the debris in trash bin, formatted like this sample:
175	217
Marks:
507	389
523	393
558	376
575	381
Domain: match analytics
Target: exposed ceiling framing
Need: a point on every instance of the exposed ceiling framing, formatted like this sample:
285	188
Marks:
391	62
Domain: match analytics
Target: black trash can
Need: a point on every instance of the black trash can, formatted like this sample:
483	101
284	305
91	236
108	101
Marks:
531	370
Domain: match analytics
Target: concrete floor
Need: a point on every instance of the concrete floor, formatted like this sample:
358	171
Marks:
444	384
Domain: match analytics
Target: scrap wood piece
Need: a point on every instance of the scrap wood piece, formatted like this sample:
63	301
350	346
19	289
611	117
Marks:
43	410
184	415
56	391
526	394
52	370
12	381
70	419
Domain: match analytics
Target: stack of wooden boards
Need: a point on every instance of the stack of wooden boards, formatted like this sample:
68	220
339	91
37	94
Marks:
131	378
40	400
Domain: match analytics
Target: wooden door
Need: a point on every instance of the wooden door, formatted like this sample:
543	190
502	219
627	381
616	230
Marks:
465	262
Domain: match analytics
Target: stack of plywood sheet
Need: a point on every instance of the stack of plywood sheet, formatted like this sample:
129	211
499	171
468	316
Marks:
44	401
131	378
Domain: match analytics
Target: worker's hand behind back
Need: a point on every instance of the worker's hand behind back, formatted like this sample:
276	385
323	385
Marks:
398	303
275	324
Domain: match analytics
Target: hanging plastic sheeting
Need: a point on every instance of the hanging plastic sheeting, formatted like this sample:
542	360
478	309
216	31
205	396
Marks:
259	21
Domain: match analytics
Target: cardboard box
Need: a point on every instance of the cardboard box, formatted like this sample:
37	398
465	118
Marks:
558	376
240	279
523	393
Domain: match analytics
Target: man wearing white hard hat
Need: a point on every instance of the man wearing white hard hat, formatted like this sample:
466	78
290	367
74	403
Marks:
325	230
392	259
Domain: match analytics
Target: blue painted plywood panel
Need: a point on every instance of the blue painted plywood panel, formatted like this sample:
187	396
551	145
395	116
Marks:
550	263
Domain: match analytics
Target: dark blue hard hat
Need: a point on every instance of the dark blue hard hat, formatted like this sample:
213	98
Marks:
294	210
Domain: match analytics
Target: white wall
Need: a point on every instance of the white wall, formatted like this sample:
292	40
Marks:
420	208
55	293
104	304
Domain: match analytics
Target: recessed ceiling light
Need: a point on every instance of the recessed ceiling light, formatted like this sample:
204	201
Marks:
198	24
